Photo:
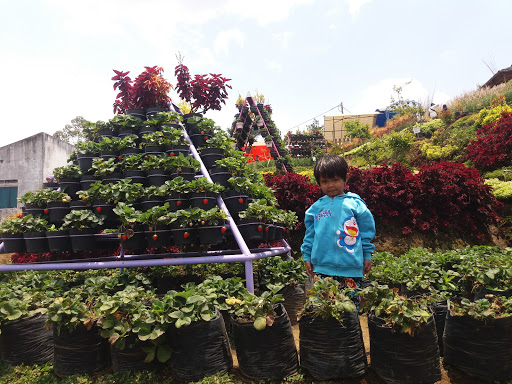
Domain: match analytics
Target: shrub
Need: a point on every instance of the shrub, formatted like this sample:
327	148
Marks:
493	147
388	192
293	192
474	101
455	199
501	189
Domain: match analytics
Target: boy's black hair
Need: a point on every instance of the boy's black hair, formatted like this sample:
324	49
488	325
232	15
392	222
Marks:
330	166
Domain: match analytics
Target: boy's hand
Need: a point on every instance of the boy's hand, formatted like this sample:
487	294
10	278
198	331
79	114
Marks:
309	268
367	267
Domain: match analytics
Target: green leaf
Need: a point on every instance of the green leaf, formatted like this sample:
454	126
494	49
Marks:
163	353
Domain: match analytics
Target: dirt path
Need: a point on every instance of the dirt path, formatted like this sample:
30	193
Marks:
448	377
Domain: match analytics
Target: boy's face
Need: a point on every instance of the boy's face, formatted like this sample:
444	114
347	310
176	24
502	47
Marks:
332	186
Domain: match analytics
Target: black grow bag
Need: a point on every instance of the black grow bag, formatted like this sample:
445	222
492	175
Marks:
26	341
440	309
200	349
332	350
294	299
399	358
479	348
266	354
131	357
79	352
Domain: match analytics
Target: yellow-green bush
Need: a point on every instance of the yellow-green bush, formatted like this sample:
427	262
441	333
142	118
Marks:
501	189
490	115
437	152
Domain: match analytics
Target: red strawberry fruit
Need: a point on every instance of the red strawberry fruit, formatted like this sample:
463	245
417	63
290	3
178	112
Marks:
178	203
171	154
98	209
186	234
223	229
124	237
260	228
205	201
46	211
241	201
155	237
120	158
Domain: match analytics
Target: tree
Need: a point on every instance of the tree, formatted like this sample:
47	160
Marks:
357	130
72	133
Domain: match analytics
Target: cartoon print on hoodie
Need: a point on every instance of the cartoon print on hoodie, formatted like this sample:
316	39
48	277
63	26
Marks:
350	234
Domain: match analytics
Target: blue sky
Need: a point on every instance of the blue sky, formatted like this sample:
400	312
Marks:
305	56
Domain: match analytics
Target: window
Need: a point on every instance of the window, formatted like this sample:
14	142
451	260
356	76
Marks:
8	196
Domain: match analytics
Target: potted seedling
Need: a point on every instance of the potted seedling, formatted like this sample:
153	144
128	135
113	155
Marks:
260	324
177	193
68	177
128	125
184	166
34	235
106	170
329	327
203	194
210	225
83	226
157	220
130	231
131	167
156	167
11	233
85	152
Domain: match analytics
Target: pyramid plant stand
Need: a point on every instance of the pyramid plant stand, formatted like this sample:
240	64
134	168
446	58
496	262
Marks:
243	254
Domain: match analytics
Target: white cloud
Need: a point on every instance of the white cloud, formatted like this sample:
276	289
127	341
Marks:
283	37
378	96
355	5
224	38
273	65
264	11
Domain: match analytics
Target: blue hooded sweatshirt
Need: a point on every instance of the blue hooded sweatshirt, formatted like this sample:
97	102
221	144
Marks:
338	236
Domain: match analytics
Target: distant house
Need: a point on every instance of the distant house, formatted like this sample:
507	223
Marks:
25	164
500	77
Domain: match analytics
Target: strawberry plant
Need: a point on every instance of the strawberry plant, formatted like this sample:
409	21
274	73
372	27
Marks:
400	313
327	300
102	167
70	171
277	273
491	307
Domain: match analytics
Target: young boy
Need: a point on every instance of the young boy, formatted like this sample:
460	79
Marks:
339	228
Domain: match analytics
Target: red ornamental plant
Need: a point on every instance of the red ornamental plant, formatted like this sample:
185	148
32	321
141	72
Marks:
493	147
148	90
293	192
204	92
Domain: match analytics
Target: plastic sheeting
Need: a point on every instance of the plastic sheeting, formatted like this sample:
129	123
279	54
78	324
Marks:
440	309
330	349
26	341
479	348
399	358
200	349
266	354
79	351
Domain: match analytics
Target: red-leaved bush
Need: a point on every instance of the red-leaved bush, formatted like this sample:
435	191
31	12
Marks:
293	192
493	147
388	192
442	198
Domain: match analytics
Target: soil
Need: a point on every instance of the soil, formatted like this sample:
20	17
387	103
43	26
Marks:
449	376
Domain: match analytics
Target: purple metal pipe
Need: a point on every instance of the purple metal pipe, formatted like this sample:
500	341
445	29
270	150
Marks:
2	247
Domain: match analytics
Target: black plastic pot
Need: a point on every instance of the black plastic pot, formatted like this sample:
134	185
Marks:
85	161
86	181
235	203
34	210
112	178
58	241
175	150
204	200
153	149
13	242
70	186
183	236
105	155
57	211
149	202
188	174
163	238
152	111
129	151
131	357
220	176
106	209
210	155
189	124
147	130
35	242
178	201
79	205
157	177
251	229
83	240
137	176
140	113
137	241
198	140
210	235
